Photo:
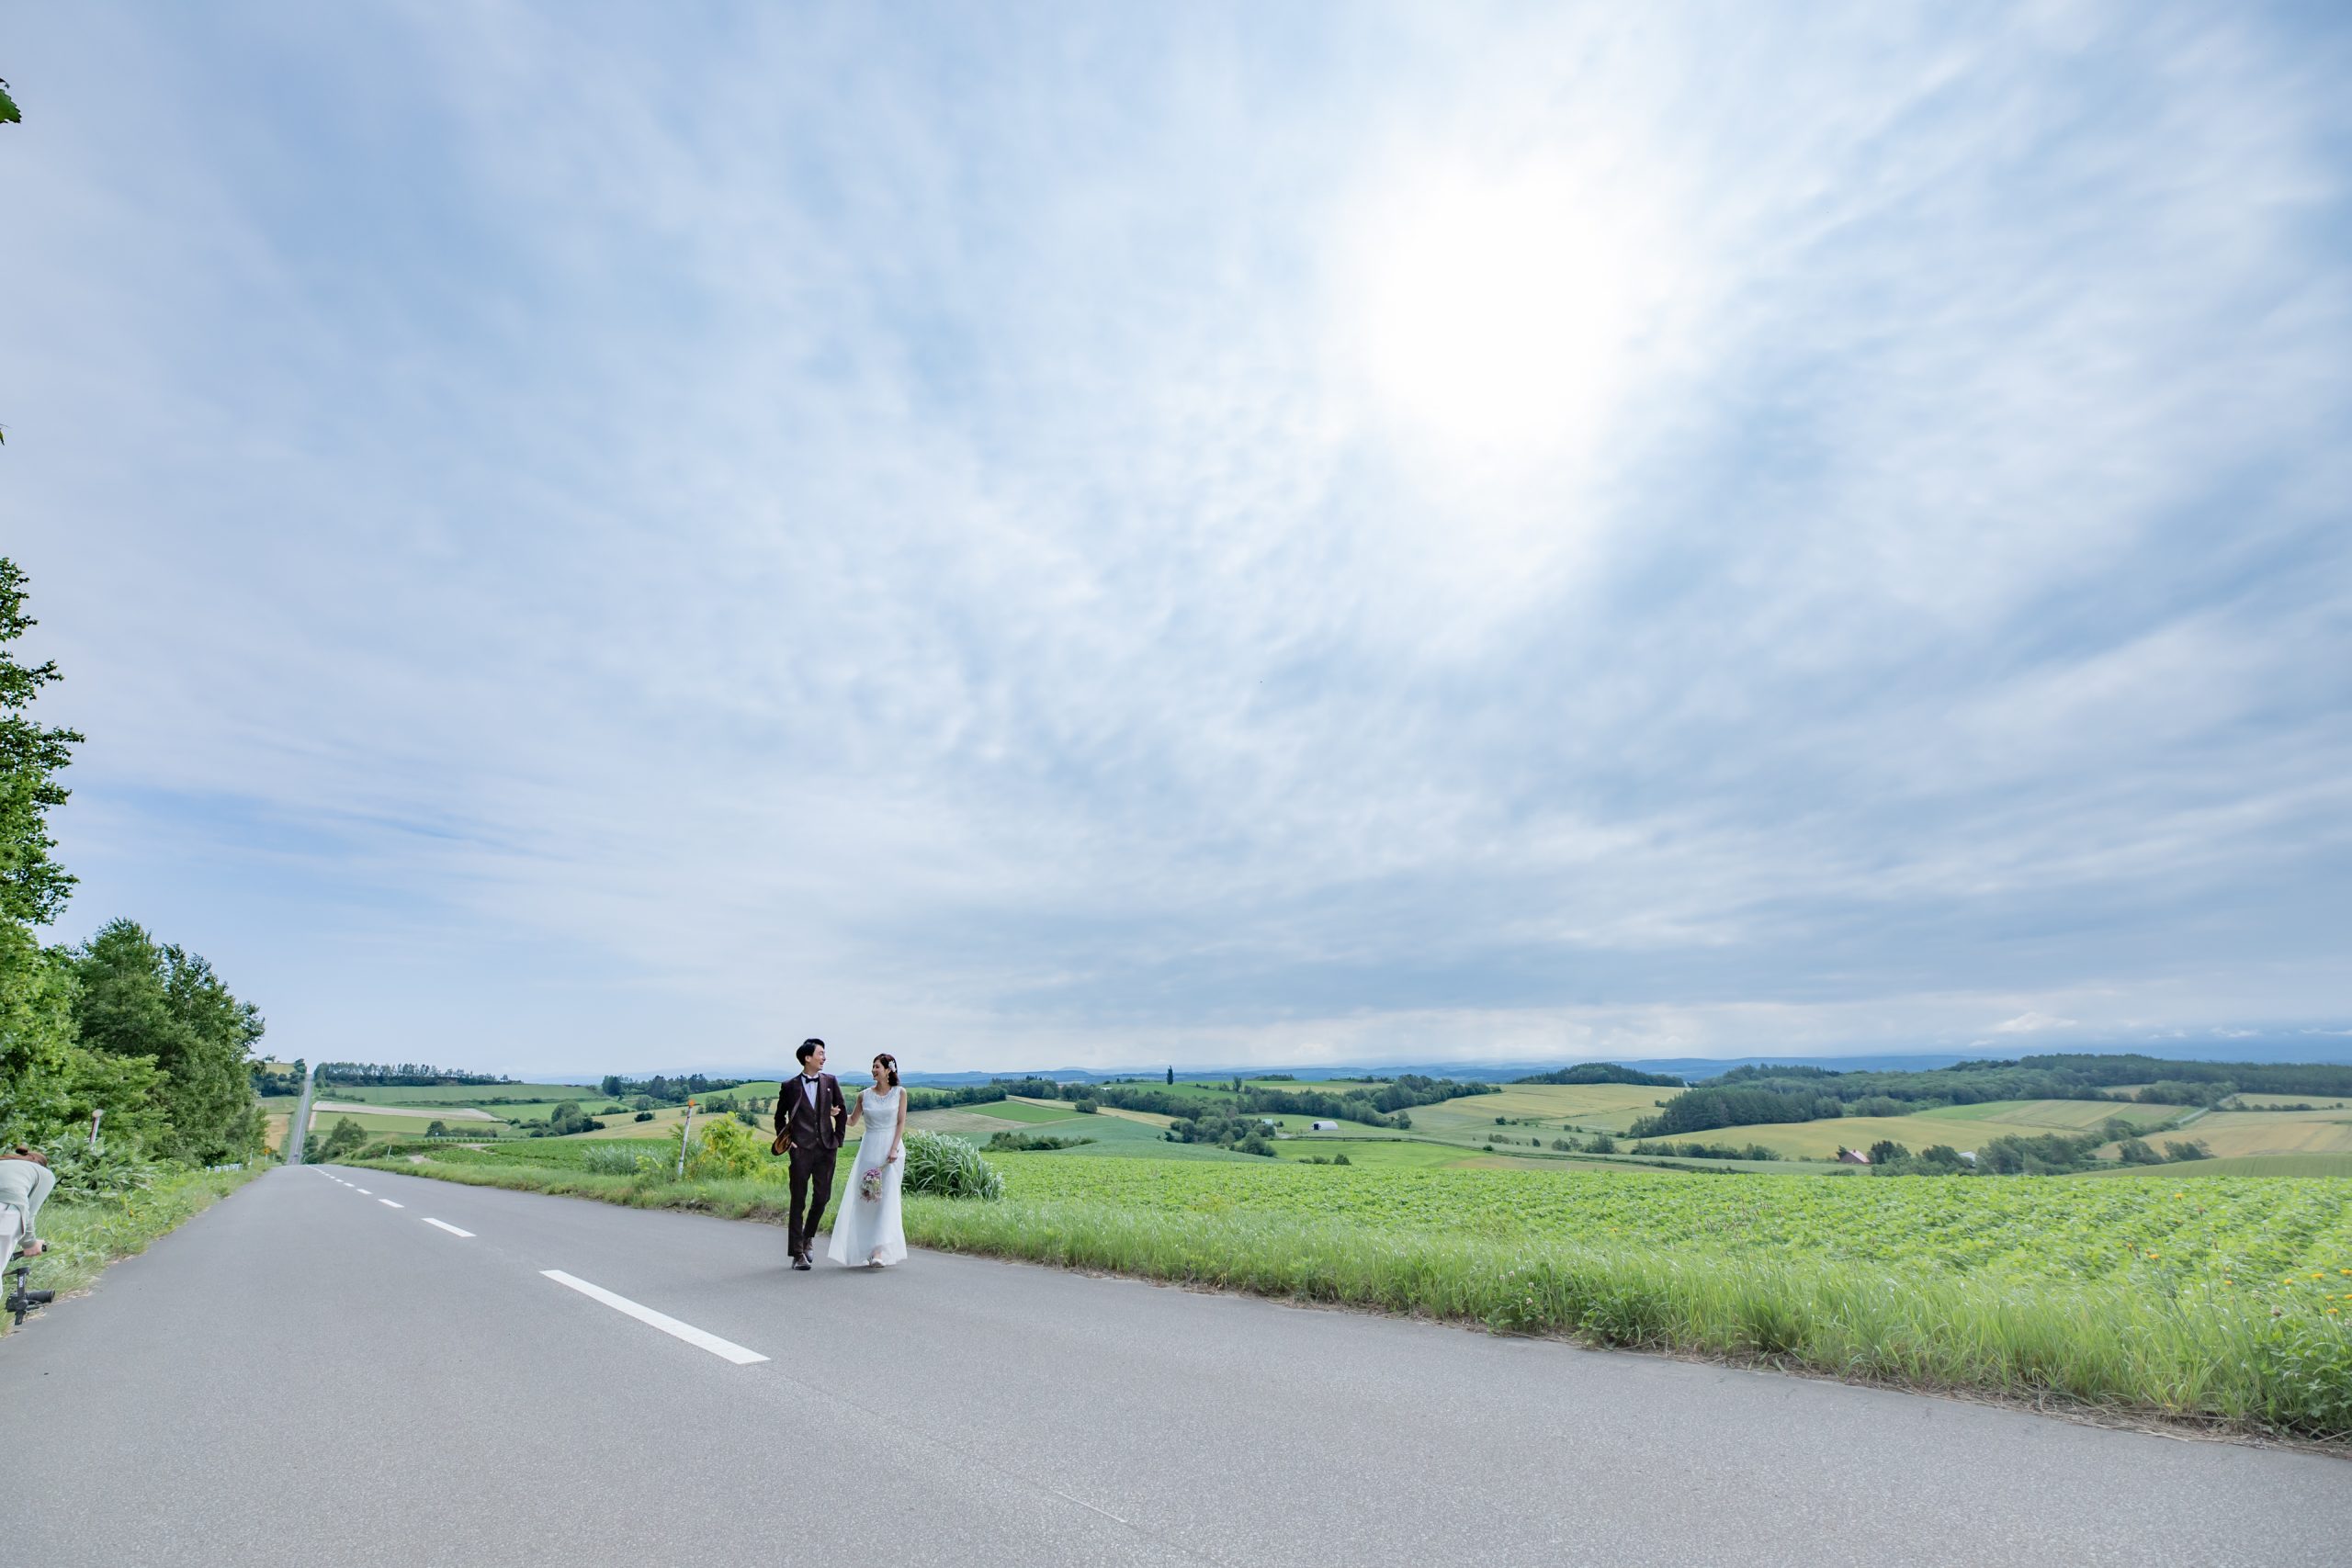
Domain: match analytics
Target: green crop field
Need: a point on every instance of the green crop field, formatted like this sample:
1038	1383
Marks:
1388	1152
2151	1232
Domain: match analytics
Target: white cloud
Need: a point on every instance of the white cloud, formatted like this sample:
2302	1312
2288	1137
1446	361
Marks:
639	543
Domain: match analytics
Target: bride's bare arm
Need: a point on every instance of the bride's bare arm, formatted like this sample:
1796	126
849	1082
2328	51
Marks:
856	1110
898	1133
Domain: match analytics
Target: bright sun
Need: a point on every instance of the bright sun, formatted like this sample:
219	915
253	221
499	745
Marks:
1495	317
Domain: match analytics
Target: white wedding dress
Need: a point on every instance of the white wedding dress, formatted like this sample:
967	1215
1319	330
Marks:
869	1228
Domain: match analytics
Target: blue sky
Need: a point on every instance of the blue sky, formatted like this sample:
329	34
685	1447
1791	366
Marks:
605	538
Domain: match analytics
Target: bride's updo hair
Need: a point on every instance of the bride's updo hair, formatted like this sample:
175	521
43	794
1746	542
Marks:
888	1063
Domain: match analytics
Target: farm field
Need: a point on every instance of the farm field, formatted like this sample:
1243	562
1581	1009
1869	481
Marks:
453	1114
517	1094
1148	1118
2243	1165
1961	1126
1028	1111
2050	1115
2316	1101
2235	1133
973	1122
1601	1108
1382	1153
2150	1232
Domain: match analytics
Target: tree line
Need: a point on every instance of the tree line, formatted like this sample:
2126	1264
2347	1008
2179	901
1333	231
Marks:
145	1031
1604	1072
665	1091
403	1074
1766	1095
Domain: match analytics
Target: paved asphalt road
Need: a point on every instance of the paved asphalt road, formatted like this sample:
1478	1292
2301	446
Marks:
307	1375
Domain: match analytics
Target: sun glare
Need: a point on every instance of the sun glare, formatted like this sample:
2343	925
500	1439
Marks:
1495	317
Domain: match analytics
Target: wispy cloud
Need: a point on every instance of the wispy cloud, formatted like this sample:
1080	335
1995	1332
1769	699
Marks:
1084	537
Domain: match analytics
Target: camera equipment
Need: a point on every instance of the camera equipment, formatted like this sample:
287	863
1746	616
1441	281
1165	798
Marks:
21	1300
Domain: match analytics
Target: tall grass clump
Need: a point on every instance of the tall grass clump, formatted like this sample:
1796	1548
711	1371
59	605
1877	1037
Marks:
612	1159
942	1167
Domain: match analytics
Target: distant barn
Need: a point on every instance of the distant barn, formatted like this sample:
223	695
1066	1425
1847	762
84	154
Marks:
1853	1157
1322	1127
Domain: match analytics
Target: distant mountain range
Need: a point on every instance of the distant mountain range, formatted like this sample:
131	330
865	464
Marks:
2313	1045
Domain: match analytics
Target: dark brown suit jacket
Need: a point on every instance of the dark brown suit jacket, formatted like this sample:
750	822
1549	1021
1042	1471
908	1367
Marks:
822	1126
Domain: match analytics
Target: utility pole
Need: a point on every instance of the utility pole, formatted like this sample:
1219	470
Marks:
684	1138
298	1131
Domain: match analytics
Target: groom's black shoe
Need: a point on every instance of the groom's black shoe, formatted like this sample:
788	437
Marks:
801	1261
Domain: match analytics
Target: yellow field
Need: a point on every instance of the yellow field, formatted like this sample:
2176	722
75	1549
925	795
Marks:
1820	1140
965	1122
2317	1102
1961	1126
1602	1107
2047	1115
2231	1133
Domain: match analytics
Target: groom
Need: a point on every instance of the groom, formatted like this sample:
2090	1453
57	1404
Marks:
811	1121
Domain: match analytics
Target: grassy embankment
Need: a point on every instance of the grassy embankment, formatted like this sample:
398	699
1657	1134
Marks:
84	1236
2216	1304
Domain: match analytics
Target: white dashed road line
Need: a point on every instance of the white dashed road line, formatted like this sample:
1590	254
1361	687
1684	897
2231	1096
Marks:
363	1191
450	1228
388	1203
725	1349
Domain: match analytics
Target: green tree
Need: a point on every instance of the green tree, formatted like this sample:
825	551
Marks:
38	1062
344	1138
437	1130
137	998
1171	1077
33	886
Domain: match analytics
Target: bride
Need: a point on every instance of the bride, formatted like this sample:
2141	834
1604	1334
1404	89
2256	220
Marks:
869	1230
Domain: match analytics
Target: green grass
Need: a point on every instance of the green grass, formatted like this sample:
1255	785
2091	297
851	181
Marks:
1385	1154
1958	1283
1022	1110
85	1236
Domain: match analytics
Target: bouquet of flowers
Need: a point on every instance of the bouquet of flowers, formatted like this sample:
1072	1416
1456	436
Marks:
869	1186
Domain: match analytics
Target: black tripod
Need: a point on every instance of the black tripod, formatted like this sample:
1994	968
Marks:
22	1300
